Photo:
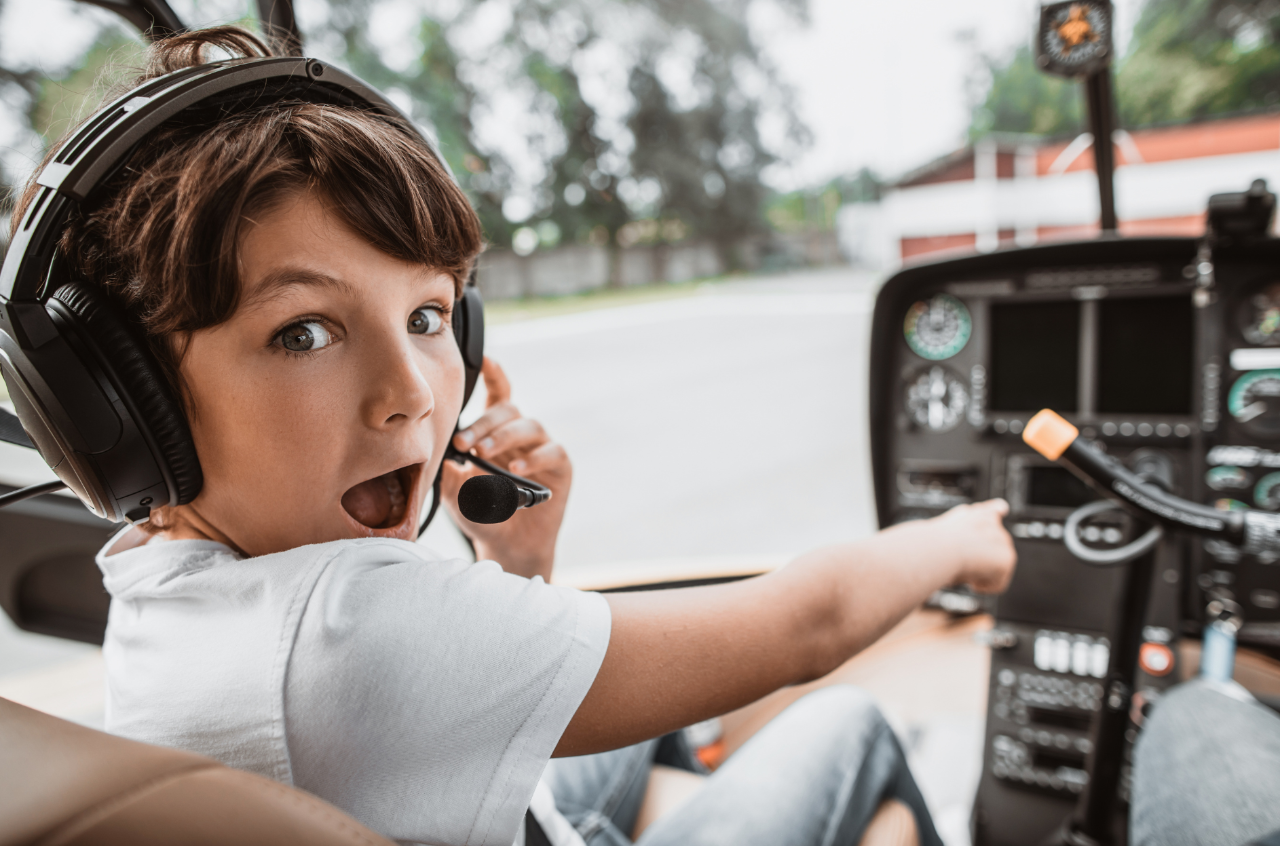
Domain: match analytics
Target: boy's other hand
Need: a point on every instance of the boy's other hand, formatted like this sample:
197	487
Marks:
525	544
977	536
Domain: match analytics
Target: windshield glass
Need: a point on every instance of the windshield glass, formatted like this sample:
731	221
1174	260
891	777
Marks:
689	207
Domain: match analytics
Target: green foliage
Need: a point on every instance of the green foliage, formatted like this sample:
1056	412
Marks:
1024	99
585	205
62	101
1187	59
1196	58
706	159
438	98
666	167
687	169
816	208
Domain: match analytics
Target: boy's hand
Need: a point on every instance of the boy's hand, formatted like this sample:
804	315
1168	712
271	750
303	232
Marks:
525	544
976	535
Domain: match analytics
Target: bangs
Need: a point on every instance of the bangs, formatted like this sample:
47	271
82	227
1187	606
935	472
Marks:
384	183
165	238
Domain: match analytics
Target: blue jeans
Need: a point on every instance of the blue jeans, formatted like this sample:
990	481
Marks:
1206	769
814	776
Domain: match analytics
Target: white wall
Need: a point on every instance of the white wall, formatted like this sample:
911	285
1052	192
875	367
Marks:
871	234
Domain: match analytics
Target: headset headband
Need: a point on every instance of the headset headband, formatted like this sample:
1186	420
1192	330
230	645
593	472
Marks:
106	140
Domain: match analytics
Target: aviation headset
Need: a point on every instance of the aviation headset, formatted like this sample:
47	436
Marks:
87	390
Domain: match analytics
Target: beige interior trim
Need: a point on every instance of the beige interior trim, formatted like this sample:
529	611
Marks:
655	571
668	789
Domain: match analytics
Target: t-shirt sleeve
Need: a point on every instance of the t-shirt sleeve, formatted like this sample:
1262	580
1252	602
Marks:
426	697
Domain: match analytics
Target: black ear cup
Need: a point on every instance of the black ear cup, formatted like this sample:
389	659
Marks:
468	330
138	380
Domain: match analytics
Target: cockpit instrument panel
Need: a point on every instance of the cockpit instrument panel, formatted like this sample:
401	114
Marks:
1121	337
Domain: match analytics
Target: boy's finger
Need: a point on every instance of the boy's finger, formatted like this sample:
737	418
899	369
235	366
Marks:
549	456
494	417
520	434
496	385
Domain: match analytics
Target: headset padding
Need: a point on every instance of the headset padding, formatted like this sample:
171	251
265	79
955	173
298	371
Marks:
140	378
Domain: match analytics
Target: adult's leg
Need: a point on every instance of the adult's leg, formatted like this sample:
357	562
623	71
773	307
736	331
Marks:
814	776
601	794
1206	769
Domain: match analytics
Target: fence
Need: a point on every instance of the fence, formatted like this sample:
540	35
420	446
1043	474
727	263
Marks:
578	268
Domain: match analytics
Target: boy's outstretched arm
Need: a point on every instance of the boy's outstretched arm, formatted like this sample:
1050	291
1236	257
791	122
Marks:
680	656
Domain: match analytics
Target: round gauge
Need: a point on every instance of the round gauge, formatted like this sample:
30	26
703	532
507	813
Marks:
936	400
1074	37
1259	316
1227	478
938	327
1267	493
1254	400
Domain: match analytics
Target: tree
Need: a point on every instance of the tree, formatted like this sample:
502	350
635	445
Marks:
1187	59
41	103
633	110
431	91
1022	98
1196	58
685	155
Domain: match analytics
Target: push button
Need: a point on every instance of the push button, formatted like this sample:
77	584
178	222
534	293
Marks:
1155	659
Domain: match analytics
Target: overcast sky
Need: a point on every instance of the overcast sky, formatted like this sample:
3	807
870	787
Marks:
880	84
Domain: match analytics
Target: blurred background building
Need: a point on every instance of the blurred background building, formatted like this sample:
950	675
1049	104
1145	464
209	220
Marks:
1007	190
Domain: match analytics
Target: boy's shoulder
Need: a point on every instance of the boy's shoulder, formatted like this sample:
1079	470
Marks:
158	563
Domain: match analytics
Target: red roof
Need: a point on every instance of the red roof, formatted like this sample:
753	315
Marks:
1217	137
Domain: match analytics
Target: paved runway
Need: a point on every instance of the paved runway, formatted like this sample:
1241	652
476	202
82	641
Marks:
732	422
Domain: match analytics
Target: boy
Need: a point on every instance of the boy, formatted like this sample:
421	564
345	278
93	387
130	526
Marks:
293	267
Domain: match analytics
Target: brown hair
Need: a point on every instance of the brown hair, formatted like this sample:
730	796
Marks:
162	236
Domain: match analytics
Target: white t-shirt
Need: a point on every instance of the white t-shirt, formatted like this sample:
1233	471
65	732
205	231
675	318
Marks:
424	697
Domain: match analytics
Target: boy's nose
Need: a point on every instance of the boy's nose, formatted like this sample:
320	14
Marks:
397	386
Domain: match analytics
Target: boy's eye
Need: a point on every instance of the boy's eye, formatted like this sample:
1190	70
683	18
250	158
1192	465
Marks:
305	337
425	321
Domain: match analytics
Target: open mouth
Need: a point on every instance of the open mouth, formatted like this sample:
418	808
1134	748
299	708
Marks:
383	502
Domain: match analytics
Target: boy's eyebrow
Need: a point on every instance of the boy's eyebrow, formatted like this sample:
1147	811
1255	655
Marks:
278	282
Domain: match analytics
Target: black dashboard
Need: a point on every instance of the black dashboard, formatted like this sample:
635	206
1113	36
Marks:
1145	345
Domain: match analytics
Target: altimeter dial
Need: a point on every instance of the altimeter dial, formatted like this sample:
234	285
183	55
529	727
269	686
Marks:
937	328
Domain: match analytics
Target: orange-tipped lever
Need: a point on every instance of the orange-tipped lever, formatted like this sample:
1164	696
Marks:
1049	434
1057	440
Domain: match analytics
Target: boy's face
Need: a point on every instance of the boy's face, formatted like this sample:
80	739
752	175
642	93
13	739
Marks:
322	408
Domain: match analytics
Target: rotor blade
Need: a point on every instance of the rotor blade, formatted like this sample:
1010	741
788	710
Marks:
153	18
278	22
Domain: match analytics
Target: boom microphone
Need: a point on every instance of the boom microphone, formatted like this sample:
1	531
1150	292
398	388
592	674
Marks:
1057	440
493	499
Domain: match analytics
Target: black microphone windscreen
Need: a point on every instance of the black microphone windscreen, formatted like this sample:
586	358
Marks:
488	499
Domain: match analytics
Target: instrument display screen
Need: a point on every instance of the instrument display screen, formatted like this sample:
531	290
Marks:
1057	487
1035	356
1145	348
